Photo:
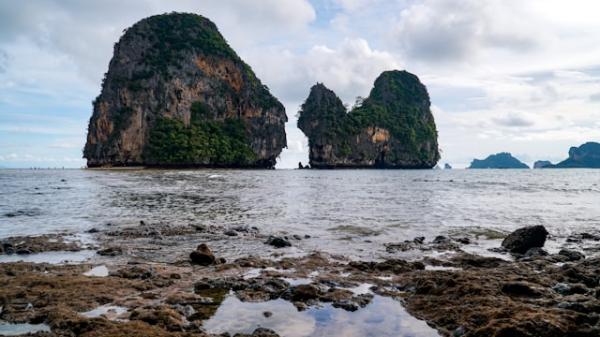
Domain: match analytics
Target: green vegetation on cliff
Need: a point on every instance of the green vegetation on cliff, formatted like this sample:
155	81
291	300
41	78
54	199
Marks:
203	142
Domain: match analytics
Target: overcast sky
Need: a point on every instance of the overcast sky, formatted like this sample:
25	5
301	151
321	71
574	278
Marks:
503	75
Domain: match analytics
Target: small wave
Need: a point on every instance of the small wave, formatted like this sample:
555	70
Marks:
215	176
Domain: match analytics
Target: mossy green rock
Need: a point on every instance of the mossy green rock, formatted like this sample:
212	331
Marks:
176	94
392	128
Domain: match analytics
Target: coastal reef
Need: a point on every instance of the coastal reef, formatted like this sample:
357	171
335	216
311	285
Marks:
177	95
157	288
392	128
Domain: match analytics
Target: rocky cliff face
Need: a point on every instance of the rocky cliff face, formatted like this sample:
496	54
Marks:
585	156
392	128
176	94
503	160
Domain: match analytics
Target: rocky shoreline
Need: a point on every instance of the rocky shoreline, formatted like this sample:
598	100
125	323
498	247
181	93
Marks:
151	286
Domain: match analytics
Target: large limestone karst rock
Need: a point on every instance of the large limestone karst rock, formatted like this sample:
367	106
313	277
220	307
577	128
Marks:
176	94
392	128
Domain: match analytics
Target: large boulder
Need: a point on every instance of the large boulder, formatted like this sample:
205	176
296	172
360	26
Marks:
523	239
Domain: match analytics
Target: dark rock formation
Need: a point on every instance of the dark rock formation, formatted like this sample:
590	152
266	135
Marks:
585	156
447	166
203	256
176	94
523	239
392	128
277	242
542	164
503	160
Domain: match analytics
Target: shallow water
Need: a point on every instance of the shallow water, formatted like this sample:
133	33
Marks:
50	257
352	212
98	271
109	311
382	317
22	329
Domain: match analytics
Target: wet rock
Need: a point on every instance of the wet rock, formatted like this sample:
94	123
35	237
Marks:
93	230
231	233
267	314
260	332
110	251
574	306
520	289
199	228
419	240
304	292
395	266
135	272
463	240
535	252
579	237
164	317
203	256
523	239
569	289
278	242
346	305
296	237
470	260
440	239
571	255
458	332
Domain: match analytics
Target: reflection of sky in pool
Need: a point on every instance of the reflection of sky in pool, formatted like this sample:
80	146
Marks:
383	317
21	329
58	257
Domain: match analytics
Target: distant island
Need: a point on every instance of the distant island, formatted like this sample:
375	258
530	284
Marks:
540	164
176	94
584	156
503	160
392	128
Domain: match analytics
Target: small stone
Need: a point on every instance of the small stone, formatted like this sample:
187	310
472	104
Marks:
231	233
458	332
278	242
419	239
23	251
202	256
304	292
267	314
463	240
93	230
440	239
346	305
297	237
520	289
306	236
571	255
110	251
536	252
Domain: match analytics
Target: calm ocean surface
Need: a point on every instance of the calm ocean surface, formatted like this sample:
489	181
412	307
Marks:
351	212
